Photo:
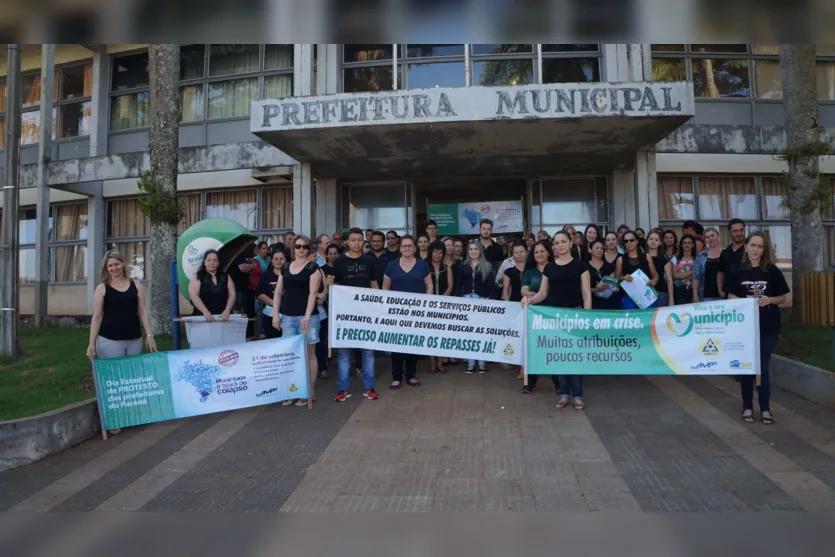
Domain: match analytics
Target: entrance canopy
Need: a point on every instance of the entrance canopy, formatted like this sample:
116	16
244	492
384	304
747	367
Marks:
474	131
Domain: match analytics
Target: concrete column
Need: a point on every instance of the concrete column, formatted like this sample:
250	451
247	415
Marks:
100	104
646	189
302	199
302	70
42	211
96	221
327	70
623	197
327	208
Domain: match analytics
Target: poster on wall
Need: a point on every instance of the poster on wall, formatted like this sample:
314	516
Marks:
463	218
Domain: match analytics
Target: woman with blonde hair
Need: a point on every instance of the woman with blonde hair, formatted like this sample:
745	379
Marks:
475	280
118	307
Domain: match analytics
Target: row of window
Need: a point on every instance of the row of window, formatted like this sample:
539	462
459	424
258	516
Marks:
267	210
714	200
735	70
369	67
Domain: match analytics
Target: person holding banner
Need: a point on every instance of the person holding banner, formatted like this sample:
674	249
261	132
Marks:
295	296
598	269
475	279
355	269
441	275
452	262
566	284
708	273
212	292
538	258
407	274
760	278
634	260
118	308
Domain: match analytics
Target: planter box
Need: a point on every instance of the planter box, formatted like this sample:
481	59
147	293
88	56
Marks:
809	382
29	439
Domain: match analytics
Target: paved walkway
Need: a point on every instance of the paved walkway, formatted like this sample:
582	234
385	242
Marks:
459	443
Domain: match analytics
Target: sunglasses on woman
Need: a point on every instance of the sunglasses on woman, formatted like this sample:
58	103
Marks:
302	246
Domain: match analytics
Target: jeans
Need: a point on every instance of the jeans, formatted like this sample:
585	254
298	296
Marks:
398	362
291	325
663	300
322	347
767	345
259	305
576	386
343	369
107	348
627	303
471	363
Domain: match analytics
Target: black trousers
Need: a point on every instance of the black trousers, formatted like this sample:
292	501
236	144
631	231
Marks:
249	309
399	361
322	346
532	380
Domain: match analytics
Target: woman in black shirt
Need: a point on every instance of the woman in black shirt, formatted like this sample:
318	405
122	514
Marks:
295	296
512	279
566	284
266	291
599	268
633	260
611	253
212	291
663	267
441	275
759	278
475	279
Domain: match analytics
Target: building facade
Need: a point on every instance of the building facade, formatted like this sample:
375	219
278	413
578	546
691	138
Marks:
317	138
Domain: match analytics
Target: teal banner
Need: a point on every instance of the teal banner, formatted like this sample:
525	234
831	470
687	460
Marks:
710	338
156	387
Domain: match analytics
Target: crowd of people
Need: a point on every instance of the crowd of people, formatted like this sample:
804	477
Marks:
283	288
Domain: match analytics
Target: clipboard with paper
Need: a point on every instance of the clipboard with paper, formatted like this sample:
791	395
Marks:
612	286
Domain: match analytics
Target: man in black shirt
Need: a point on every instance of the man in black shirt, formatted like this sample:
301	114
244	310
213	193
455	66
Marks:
493	252
732	254
392	245
380	255
432	230
357	270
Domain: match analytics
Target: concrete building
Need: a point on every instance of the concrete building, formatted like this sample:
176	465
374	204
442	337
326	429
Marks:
320	137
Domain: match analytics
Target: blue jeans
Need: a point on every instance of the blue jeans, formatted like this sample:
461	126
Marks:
343	368
663	300
291	325
576	386
259	305
627	303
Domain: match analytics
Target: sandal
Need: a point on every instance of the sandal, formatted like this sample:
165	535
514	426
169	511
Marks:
527	390
520	376
443	371
748	416
303	401
395	385
579	404
433	371
413	382
766	420
562	403
469	371
290	402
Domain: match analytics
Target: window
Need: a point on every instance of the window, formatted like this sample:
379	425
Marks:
129	109
716	78
768	78
675	198
717	70
378	206
221	80
502	64
574	200
277	208
237	205
570	63
773	194
70	242
367	67
728	197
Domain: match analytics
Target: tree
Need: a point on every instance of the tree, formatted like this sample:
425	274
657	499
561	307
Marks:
807	188
160	184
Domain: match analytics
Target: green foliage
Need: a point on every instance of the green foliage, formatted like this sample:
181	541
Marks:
158	204
52	371
808	344
819	196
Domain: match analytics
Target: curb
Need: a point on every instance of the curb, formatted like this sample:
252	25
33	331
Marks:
30	439
812	383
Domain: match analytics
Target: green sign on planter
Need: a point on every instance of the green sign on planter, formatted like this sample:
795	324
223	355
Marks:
224	235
